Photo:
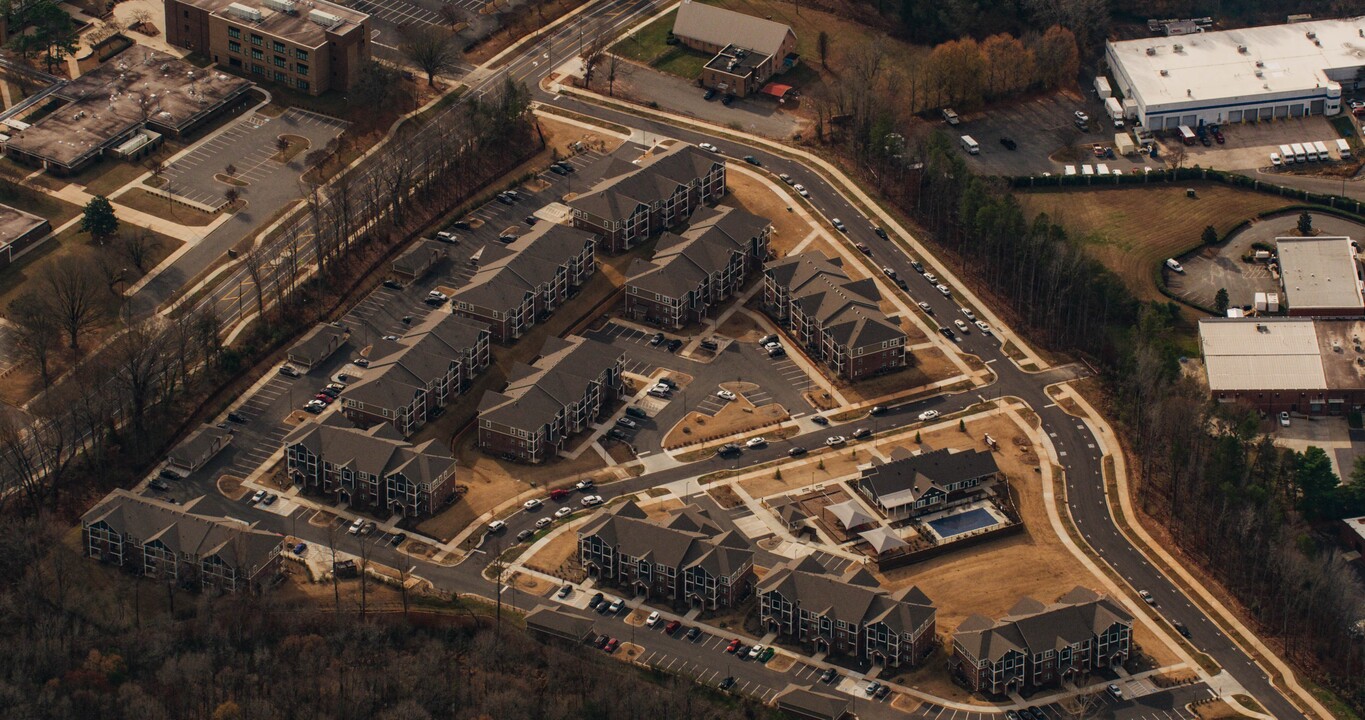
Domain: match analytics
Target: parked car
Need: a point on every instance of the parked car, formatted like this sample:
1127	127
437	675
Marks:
290	371
558	170
584	485
447	237
752	160
674	344
784	177
756	442
755	651
616	606
611	646
544	523
653	619
797	451
861	433
872	688
270	499
708	147
943	290
637	412
928	415
882	692
725	395
1172	264
1009	143
729	98
926	308
727	683
1080	115
595	601
1180	628
880	232
168	474
961	326
497	526
877	410
657	339
670	382
158	485
672	627
1284	419
819	419
983	327
356	526
1147	597
1115	691
563	512
393	285
838	225
532	504
626	423
236	418
801	190
835	440
710	94
591	500
917	266
564	591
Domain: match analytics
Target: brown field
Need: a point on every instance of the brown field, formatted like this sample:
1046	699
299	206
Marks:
749	194
1133	229
931	366
970	582
557	556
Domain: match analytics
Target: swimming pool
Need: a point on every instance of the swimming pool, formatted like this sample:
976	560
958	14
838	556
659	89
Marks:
973	519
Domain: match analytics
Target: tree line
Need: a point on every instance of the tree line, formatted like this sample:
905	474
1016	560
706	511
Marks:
1257	517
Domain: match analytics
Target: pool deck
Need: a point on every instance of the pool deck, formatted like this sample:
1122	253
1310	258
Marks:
982	506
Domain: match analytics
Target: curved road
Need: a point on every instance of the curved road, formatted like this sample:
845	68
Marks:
1076	447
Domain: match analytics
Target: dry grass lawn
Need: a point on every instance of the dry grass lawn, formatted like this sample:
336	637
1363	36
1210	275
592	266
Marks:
139	199
1217	710
969	582
750	194
556	556
931	366
725	496
660	510
741	327
1133	229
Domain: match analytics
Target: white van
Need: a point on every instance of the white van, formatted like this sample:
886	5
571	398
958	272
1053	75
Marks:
1343	149
1101	169
1087	171
970	145
1275	160
1310	152
1287	154
1299	155
1321	147
1070	170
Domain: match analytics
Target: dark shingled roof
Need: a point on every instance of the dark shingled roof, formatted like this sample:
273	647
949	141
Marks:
682	262
536	393
689	538
181	531
907	477
846	309
618	196
534	260
372	452
854	597
1031	627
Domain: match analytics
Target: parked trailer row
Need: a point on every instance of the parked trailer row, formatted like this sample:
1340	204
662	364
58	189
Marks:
1291	153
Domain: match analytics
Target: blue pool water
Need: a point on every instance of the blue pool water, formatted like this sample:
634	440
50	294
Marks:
973	519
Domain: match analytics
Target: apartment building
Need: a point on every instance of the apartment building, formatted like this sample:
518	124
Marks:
836	319
910	485
158	539
544	404
372	468
686	558
311	46
692	274
634	201
1036	645
518	286
848	615
410	380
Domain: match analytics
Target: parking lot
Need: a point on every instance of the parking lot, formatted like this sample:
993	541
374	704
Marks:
249	146
1039	127
1248	146
778	379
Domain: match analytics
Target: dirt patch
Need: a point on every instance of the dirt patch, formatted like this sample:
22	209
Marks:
749	193
531	584
139	199
931	366
1217	710
781	663
322	518
536	184
738	416
725	496
662	510
741	327
628	652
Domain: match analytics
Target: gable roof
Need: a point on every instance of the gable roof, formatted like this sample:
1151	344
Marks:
201	445
372	452
847	310
530	262
720	27
854	598
147	519
672	543
536	393
682	262
1031	627
656	178
906	478
418	258
401	369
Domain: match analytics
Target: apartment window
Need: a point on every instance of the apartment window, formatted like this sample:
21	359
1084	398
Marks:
235	33
281	77
257	69
301	54
234	46
279	47
257	54
257	40
279	62
301	68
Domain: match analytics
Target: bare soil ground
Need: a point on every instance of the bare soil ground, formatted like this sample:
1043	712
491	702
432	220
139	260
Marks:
661	509
1217	710
741	327
931	366
725	496
739	416
492	482
558	557
750	194
969	581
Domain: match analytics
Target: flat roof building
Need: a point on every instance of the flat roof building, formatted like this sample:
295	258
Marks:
1320	276
1257	73
110	104
311	46
19	230
1299	365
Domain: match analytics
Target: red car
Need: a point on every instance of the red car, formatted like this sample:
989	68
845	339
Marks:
733	646
324	399
610	647
672	627
559	494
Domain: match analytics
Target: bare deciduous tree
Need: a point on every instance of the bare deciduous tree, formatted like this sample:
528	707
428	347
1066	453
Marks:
75	295
38	333
430	49
138	246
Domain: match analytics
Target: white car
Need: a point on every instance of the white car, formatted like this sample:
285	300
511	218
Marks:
563	512
928	415
801	190
544	522
932	278
755	442
961	326
943	289
653	619
926	308
772	345
1147	597
725	395
259	496
493	527
834	440
531	504
755	651
437	295
983	327
591	500
838	225
1284	419
1172	264
1082	116
709	147
970	315
354	529
784	177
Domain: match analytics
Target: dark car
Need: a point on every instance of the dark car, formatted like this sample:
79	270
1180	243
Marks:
505	199
159	485
693	634
531	220
917	266
1204	139
728	682
674	344
168	474
710	344
797	451
727	99
460	225
710	94
658	338
1009	143
820	420
636	412
393	285
880	233
1037	712
729	451
1218	136
236	417
672	384
829	676
752	160
877	410
595	601
558	170
601	641
524	535
566	167
882	692
1180	628
617	434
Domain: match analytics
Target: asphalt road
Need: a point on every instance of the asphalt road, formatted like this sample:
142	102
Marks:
1075	444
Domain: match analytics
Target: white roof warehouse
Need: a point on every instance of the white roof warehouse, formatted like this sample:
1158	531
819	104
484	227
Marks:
1299	365
1256	73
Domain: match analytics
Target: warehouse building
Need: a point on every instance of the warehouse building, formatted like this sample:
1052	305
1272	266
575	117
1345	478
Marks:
1248	74
1320	276
1296	365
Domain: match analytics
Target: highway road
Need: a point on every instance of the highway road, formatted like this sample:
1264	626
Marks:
1076	446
